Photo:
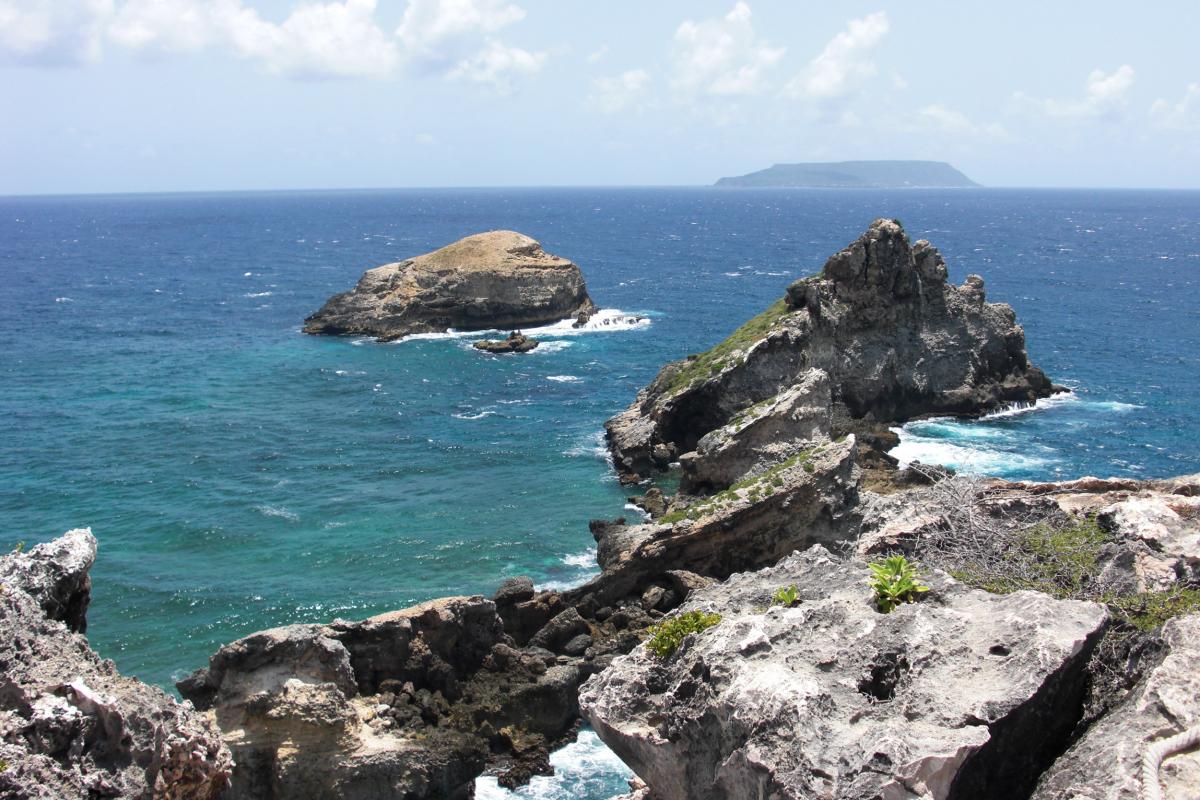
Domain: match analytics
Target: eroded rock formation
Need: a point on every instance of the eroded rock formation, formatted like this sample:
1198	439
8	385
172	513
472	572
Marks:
496	280
895	340
70	725
963	695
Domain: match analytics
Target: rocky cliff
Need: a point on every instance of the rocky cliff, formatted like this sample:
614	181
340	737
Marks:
70	725
892	338
496	280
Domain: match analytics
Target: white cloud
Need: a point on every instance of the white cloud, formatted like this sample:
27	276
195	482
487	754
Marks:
1104	97
722	57
317	40
424	139
456	38
947	120
597	54
1182	116
52	32
615	94
844	63
497	64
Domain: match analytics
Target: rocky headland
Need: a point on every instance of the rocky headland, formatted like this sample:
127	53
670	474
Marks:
1052	655
496	280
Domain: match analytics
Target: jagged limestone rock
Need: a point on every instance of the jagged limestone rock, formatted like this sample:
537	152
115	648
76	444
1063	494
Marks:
962	695
896	340
71	726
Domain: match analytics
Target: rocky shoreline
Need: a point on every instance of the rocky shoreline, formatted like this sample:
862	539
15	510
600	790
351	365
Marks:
1052	648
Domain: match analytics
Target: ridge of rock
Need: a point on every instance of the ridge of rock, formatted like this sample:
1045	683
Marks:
495	280
880	320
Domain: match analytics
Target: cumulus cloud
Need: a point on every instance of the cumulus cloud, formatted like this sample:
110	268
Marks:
1181	116
722	57
612	95
844	63
1104	97
457	38
497	64
337	38
52	32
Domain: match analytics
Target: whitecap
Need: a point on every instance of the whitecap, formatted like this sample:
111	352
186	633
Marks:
247	274
63	300
480	415
964	456
583	768
604	321
546	348
592	446
562	378
258	294
278	511
586	559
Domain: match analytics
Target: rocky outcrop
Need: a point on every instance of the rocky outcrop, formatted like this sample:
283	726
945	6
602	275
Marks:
1106	764
806	499
515	342
496	280
962	695
70	725
894	338
58	574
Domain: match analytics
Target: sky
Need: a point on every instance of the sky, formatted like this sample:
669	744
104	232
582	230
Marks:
204	95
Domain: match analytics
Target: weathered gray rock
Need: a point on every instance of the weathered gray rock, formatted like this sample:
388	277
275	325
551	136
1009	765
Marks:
70	725
1106	763
763	436
496	280
301	711
807	499
963	695
895	339
56	573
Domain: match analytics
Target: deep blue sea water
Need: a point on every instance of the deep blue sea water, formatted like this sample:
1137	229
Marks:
240	475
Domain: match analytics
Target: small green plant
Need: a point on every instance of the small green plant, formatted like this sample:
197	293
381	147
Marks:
786	596
894	581
666	636
20	548
1150	611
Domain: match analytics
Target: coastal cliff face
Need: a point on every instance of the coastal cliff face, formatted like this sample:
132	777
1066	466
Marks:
496	280
893	338
70	725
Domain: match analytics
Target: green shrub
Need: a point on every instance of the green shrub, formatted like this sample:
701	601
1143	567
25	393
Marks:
895	581
666	636
710	362
786	596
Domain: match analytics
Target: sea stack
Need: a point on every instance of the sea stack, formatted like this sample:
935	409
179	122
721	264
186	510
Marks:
496	280
892	339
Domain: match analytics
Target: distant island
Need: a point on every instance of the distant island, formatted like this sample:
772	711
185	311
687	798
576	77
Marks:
856	175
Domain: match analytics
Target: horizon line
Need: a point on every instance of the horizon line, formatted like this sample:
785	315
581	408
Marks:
543	187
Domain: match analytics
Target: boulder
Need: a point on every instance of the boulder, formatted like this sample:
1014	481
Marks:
497	280
1106	763
894	338
962	695
71	726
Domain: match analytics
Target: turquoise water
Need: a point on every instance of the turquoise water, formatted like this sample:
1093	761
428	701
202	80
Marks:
239	475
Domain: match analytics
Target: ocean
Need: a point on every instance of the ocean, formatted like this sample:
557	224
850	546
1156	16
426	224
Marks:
240	475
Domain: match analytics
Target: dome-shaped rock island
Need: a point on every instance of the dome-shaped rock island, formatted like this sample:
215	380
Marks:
495	280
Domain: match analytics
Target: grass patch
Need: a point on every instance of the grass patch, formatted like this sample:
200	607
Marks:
703	366
666	636
1150	611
